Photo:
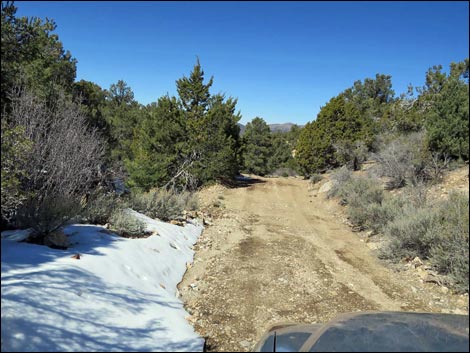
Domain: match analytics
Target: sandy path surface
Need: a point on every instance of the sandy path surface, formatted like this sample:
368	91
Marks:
277	253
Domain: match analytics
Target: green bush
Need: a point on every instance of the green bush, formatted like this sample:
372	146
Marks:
127	225
350	154
447	118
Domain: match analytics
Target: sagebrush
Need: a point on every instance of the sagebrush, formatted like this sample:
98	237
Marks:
163	204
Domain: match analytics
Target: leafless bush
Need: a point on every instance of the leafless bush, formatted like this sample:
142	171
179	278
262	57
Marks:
63	164
437	163
183	178
402	160
351	154
339	178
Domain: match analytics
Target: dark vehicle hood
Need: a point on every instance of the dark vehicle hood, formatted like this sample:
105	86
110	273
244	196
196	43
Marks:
373	332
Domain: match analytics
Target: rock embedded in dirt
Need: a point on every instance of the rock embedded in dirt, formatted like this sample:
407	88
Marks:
326	187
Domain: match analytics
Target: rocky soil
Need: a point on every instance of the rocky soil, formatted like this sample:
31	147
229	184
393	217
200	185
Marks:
274	251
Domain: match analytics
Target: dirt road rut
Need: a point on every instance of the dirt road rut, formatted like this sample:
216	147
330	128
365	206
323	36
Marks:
279	254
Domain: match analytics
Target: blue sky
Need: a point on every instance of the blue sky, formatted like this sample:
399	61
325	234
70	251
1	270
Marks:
282	60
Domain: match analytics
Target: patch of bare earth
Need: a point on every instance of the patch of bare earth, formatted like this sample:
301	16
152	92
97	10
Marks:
278	252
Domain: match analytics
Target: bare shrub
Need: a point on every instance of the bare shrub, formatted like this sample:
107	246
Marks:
351	154
437	163
184	178
339	178
63	163
402	159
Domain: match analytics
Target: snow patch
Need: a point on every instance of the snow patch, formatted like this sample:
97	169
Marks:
119	296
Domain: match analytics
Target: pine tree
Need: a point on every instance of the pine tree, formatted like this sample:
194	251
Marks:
211	121
257	147
448	116
194	94
33	56
185	142
122	113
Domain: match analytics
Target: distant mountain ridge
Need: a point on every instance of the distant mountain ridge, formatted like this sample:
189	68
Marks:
274	127
281	127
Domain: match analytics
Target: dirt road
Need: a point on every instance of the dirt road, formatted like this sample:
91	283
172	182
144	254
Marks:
277	253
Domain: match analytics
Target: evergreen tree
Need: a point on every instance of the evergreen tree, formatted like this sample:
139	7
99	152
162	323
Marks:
218	142
159	144
339	121
194	94
283	146
373	96
184	142
404	115
122	113
257	147
448	114
15	147
211	121
33	56
93	99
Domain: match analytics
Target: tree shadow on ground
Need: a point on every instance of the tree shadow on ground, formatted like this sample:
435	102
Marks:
241	181
109	317
84	239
